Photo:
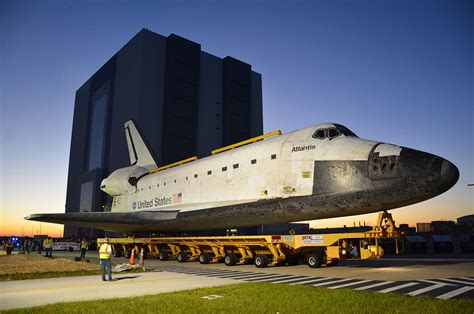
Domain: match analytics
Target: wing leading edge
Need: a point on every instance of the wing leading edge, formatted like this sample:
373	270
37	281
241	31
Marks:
124	221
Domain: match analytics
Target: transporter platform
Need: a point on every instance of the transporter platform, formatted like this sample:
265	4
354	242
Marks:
315	250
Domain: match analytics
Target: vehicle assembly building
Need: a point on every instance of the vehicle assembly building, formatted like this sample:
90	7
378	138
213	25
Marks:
186	101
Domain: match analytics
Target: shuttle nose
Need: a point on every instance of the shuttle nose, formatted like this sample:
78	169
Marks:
449	176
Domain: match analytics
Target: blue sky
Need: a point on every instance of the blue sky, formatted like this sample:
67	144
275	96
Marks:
396	71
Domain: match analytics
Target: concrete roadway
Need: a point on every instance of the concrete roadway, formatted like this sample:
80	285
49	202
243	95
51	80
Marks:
28	293
397	269
403	267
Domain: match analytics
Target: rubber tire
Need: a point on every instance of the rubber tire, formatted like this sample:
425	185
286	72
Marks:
182	257
163	256
230	259
204	258
314	261
261	261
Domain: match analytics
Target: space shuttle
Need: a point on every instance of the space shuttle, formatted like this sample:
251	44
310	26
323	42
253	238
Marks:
322	171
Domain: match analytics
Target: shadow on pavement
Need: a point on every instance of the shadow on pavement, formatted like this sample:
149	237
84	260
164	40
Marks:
126	277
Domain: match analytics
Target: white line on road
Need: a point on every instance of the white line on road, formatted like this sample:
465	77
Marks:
291	279
383	283
350	284
426	289
436	282
271	277
454	293
458	281
310	281
466	278
331	282
409	284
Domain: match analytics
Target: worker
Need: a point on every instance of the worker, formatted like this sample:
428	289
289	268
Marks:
104	254
365	244
83	248
48	247
354	252
9	247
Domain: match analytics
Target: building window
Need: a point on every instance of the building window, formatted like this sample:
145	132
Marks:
235	166
274	156
253	161
97	132
209	172
85	202
224	169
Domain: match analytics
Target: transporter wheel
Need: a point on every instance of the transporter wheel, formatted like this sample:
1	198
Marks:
314	260
163	256
182	257
230	259
204	258
261	261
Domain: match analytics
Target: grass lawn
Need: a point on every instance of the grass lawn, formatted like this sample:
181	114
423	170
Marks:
263	298
53	274
34	266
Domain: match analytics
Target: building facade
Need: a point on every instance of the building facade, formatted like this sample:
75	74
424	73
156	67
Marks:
186	102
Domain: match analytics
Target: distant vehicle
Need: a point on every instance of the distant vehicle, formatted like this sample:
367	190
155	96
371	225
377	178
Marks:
323	171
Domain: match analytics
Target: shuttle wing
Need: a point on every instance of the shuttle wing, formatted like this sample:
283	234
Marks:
124	221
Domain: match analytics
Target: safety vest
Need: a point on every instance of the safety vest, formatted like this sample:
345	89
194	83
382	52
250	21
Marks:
48	243
84	245
104	251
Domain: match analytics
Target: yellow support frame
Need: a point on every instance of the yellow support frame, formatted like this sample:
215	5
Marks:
173	164
249	141
276	246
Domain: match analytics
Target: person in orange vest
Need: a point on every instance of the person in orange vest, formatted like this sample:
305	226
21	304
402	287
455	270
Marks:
104	254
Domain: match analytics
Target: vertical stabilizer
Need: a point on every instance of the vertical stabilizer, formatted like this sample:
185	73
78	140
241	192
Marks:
140	153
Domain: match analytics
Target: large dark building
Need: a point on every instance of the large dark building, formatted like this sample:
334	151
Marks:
186	102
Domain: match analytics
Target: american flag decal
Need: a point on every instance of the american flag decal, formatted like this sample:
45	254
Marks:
177	198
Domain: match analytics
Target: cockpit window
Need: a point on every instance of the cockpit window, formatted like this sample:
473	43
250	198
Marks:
320	134
344	130
332	133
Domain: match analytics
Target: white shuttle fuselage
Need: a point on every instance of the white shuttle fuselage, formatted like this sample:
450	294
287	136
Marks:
317	172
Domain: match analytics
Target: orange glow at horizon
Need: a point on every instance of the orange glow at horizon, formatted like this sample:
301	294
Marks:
20	227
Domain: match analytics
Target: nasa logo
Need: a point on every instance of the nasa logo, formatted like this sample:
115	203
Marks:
134	205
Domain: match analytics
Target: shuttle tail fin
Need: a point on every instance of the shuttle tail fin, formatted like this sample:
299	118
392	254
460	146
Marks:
139	151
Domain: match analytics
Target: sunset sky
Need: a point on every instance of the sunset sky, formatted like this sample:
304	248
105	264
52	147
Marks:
400	72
